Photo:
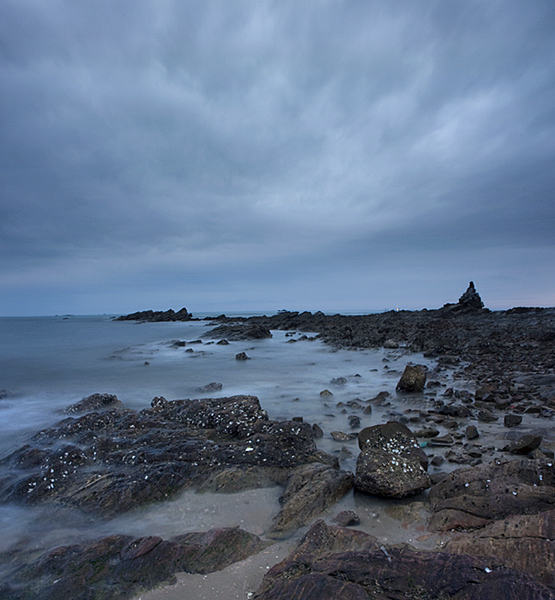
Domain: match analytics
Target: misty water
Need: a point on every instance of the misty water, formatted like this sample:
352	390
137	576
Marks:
49	363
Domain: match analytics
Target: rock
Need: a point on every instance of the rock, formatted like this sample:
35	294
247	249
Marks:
242	356
391	463
158	402
308	493
512	420
347	518
391	345
471	432
106	463
428	432
413	379
521	542
444	440
354	421
387	475
336	562
210	387
325	394
317	431
95	402
120	566
474	497
250	331
470	300
157	316
339	436
338	381
222	343
394	438
486	416
525	444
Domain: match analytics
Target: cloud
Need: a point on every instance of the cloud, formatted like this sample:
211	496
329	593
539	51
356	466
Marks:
165	141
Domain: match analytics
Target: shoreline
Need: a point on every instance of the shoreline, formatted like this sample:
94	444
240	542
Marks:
498	365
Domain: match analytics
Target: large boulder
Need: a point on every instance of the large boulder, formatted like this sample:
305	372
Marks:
391	463
335	562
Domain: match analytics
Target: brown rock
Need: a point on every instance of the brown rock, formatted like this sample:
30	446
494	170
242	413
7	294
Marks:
413	379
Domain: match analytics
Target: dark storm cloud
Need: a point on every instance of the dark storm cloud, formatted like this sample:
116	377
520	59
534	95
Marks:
177	144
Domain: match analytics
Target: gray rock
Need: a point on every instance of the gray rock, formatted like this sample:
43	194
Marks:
512	420
525	444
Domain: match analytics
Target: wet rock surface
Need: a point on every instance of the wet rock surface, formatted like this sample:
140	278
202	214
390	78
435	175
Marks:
474	497
391	463
118	566
334	562
108	462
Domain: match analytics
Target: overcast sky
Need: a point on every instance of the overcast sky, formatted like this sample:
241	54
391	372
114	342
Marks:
241	155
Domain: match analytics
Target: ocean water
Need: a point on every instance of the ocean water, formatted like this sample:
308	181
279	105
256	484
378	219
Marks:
48	363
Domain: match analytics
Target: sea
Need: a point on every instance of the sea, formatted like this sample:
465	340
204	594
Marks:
48	363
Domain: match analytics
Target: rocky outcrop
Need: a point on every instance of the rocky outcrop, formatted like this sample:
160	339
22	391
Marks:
522	542
108	462
95	402
240	332
475	497
391	463
334	562
119	567
155	316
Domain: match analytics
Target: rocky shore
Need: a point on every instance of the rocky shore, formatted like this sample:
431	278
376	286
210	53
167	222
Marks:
477	456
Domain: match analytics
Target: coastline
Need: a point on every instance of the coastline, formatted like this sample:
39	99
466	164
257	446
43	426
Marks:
499	363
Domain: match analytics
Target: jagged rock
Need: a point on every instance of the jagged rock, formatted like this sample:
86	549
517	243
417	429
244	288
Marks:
242	356
107	463
413	379
240	332
157	316
336	562
118	566
308	493
474	497
470	300
391	463
95	402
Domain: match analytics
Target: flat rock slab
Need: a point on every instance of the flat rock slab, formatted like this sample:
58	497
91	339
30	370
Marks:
522	542
335	562
119	567
474	497
108	462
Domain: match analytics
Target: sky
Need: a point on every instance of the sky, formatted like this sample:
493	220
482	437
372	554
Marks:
226	155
